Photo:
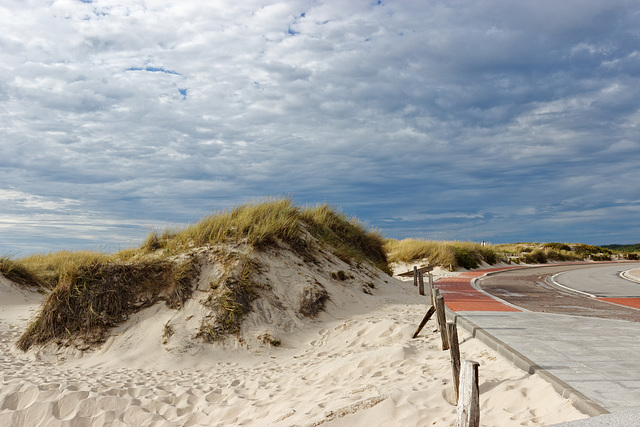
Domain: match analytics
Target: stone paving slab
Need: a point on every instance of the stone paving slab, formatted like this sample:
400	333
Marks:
628	418
596	357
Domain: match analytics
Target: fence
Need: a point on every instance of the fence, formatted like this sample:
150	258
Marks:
464	372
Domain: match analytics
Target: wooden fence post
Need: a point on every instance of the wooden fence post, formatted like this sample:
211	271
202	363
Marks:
433	301
454	351
420	283
426	318
415	275
435	294
468	411
442	321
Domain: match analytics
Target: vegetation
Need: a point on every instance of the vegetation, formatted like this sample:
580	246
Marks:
446	254
258	224
92	291
20	274
623	248
52	267
350	240
533	253
230	299
95	297
264	223
469	255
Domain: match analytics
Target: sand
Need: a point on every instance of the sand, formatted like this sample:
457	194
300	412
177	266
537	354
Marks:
354	365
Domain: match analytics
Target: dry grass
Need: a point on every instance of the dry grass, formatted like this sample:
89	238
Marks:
21	275
264	223
540	253
51	267
258	224
91	299
231	298
347	236
94	291
442	253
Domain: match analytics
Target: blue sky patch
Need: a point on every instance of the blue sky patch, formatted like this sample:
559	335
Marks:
154	70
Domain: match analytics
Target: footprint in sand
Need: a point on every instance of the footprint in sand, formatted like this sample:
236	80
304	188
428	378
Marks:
20	399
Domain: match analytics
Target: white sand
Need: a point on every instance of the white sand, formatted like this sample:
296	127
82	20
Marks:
356	364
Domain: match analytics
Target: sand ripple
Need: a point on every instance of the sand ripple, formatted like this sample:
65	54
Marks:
364	370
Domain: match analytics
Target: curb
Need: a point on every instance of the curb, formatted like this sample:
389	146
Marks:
577	399
628	276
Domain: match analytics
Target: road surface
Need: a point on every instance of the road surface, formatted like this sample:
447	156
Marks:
530	289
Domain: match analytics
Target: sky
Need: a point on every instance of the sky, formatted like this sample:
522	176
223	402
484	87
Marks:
474	120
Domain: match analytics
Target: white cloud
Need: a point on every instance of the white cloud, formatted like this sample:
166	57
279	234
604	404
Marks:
162	111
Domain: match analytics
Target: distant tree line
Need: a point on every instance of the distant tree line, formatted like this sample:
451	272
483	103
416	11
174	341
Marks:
624	248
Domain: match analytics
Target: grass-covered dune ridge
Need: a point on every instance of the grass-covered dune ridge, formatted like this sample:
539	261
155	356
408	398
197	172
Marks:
263	224
469	255
92	291
445	254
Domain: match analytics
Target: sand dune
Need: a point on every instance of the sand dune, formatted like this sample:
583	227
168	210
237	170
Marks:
354	364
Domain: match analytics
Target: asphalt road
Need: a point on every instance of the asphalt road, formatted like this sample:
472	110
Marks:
601	282
528	288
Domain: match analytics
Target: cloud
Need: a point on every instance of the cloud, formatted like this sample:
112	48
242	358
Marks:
439	120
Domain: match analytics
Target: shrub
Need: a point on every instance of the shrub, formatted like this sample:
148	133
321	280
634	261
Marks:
557	246
465	259
536	256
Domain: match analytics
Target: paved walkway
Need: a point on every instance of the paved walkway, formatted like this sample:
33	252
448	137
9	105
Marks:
594	362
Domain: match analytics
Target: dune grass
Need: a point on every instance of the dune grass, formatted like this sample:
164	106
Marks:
451	254
347	236
258	223
20	274
94	297
541	253
93	291
469	255
51	267
264	223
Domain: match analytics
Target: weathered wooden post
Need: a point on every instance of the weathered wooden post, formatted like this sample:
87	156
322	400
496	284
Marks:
415	275
442	321
468	411
420	283
454	351
426	318
433	300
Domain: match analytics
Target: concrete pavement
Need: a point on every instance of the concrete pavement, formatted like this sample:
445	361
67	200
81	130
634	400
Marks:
593	362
